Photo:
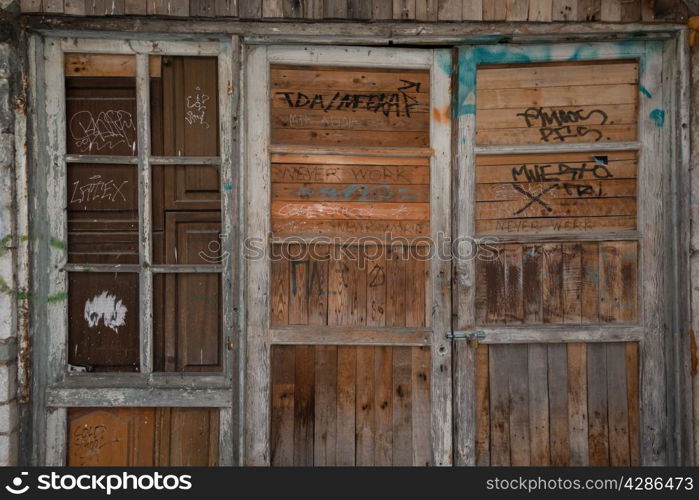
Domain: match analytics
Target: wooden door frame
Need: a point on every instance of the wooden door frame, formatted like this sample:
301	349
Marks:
258	227
662	218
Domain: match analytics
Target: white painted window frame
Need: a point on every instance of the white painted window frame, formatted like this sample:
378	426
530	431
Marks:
60	388
257	202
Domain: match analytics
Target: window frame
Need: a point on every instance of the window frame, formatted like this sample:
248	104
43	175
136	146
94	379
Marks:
59	388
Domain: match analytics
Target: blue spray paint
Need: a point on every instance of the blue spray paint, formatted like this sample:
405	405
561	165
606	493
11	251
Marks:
228	186
645	91
658	116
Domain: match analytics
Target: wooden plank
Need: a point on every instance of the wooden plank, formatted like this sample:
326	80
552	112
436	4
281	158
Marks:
381	9
558	404
447	10
404	9
629	280
325	424
514	291
416	288
572	95
53	6
610	10
532	268
482	410
76	7
577	404
346	391
598	430
349	193
336	174
348	159
335	9
565	10
365	408
360	210
499	406
518	371
618	411
495	10
530	207
383	406
560	333
272	8
250	9
202	8
632	383
517	10
359	9
538	405
282	427
630	12
402	432
421	436
304	405
536	225
281	287
350	335
540	10
299	286
590	283
472	10
572	282
495	292
350	230
589	10
518	120
292	9
364	120
395	286
552	281
330	138
31	6
226	8
135	7
376	280
427	10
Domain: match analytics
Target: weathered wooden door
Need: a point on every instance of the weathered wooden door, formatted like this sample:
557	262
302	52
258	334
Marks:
561	173
348	308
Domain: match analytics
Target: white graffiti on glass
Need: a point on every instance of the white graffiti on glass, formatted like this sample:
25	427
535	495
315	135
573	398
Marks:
108	309
97	189
108	129
196	108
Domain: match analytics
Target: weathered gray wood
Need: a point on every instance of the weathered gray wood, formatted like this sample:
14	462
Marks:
611	10
564	10
653	184
139	397
517	367
538	405
540	10
257	391
472	10
464	404
135	7
553	148
517	10
250	9
552	333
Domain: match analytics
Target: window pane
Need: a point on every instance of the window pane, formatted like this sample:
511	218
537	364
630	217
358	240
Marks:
103	318
143	437
100	104
184	106
103	214
187	322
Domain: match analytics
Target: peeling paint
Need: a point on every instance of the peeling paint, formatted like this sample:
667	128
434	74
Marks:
658	117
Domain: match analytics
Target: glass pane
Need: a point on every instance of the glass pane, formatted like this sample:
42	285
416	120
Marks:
130	437
187	322
103	322
100	104
102	214
184	106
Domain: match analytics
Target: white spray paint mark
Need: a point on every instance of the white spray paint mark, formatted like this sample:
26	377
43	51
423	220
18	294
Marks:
105	307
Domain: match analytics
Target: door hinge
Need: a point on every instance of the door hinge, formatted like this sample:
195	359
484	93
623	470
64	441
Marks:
466	335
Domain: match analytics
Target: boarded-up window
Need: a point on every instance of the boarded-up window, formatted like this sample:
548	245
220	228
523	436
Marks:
133	437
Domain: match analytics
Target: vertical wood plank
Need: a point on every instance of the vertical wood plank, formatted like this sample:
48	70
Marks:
558	404
346	389
564	10
532	269
272	8
426	10
590	282
365	415
381	9
482	402
359	9
572	282
304	405
448	10
517	10
395	286
317	287
292	9
402	407
552	277
325	423
628	277
540	10
76	7
376	288
282	429
280	291
495	292
499	406
383	405
632	382
298	289
31	6
313	9
335	9
514	293
618	412
416	288
494	10
517	366
610	10
421	438
589	10
250	9
472	10
135	7
539	405
631	11
53	6
404	9
226	8
202	8
577	404
597	404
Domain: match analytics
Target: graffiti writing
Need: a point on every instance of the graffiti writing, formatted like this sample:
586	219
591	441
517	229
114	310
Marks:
398	103
561	124
561	172
196	108
357	192
108	129
97	189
